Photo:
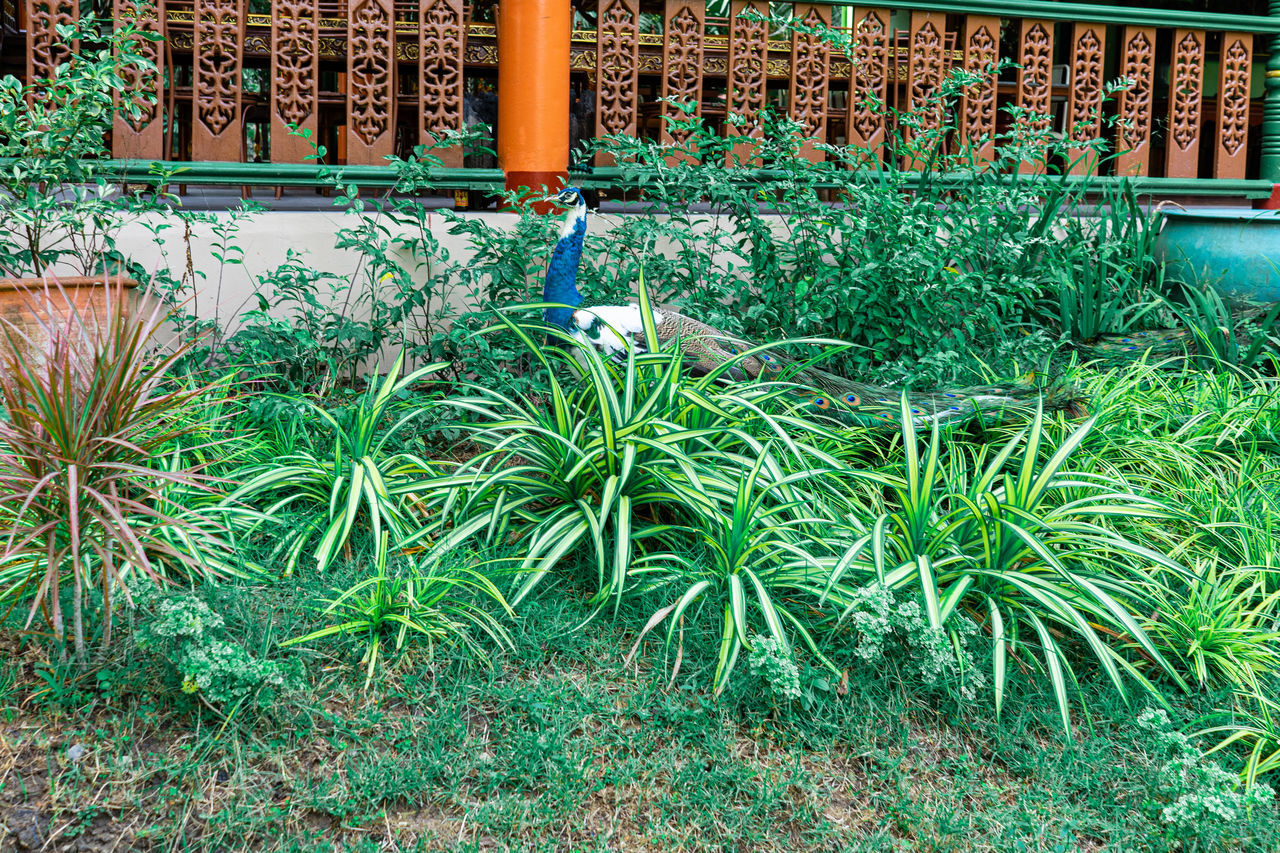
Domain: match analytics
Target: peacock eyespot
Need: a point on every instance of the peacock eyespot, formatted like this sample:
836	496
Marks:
822	402
852	399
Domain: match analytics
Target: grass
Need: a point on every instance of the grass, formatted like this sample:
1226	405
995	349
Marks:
570	731
560	748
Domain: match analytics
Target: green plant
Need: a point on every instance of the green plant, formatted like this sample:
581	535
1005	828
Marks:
1025	553
1109	289
896	636
1219	620
1204	801
55	205
950	254
431	603
775	666
757	544
357	478
83	460
190	636
588	462
1227	337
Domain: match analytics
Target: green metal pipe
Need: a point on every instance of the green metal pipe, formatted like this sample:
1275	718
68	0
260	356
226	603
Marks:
207	173
1270	166
310	175
1090	12
1207	187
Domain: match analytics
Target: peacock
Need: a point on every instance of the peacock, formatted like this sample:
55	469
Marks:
612	329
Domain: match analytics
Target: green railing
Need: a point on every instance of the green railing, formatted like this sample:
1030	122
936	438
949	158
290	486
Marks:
901	49
491	180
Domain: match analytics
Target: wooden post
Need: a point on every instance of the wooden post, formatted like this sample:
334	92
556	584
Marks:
533	93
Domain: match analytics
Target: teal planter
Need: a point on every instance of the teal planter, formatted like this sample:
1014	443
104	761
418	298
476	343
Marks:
1235	249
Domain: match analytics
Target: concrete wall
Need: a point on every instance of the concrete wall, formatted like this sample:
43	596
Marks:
267	238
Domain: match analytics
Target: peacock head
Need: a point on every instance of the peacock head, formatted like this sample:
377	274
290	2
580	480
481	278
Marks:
562	272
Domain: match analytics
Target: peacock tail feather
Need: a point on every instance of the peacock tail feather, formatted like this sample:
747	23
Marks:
614	329
1156	345
617	328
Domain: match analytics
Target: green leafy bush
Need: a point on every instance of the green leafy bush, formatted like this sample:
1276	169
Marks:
1026	553
436	603
358	478
184	631
1205	804
55	206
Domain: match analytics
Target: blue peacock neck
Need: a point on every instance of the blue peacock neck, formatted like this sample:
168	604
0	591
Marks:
562	272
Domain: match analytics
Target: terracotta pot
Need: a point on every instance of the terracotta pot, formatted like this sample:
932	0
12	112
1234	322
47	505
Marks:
31	307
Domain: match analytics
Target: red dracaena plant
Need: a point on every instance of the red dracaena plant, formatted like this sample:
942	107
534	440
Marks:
87	415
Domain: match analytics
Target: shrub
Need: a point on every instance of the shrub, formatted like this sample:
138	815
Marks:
185	632
1024	552
55	205
357	478
434	603
90	419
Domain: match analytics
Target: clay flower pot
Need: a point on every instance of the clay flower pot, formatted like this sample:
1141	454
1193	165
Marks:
33	309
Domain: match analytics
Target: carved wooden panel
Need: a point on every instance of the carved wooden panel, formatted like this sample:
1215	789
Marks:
682	42
441	44
1035	56
218	51
1186	87
811	69
1084	97
141	136
1134	106
978	108
617	69
295	60
869	78
1035	77
746	78
371	80
1231	141
926	66
45	50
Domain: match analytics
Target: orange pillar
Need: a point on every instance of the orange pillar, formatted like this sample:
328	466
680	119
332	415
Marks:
533	92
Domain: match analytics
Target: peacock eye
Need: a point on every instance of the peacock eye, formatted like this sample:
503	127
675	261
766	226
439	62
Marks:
822	402
852	399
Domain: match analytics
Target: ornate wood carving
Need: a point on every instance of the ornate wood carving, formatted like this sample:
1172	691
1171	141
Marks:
141	136
218	56
440	74
747	78
811	61
1186	86
45	50
1035	56
617	61
869	80
682	62
1133	129
371	78
1034	86
295	61
1084	97
925	70
978	108
1231	142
